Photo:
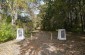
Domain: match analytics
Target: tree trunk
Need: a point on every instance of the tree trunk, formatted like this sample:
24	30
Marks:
82	24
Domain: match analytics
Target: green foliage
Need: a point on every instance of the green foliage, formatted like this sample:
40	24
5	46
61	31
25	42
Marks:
8	20
54	13
67	14
6	32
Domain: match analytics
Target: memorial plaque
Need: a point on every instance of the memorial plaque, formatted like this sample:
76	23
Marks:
61	34
20	34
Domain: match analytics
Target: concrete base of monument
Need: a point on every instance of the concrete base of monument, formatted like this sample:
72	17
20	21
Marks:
61	38
61	34
21	38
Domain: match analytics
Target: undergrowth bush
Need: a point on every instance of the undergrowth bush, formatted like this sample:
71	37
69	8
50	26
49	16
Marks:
7	32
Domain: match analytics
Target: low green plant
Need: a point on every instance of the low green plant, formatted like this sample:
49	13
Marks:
7	32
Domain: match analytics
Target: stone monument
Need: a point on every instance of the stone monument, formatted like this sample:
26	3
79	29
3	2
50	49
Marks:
20	34
61	34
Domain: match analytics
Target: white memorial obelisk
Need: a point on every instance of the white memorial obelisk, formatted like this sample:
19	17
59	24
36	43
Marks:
20	34
61	34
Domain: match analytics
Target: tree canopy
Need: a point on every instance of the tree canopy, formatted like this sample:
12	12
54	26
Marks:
68	14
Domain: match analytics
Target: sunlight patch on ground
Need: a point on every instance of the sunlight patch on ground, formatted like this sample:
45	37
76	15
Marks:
82	37
52	48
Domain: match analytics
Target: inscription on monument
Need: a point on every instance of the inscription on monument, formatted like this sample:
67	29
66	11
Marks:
20	34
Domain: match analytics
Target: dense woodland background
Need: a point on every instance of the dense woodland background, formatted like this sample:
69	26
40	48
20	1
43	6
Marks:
67	14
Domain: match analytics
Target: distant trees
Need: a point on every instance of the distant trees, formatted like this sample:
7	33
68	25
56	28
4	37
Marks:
13	7
76	15
54	16
68	14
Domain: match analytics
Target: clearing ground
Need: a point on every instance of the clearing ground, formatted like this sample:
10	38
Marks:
42	44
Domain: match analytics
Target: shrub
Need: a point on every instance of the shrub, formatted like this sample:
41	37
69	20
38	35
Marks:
6	32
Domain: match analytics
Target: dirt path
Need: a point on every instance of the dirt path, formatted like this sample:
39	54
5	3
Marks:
43	45
9	48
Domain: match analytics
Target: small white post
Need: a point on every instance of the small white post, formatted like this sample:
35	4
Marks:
31	36
51	36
